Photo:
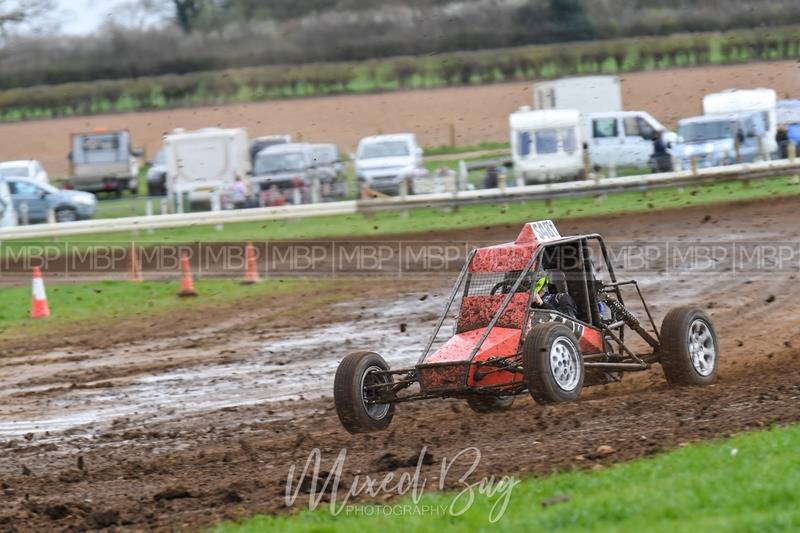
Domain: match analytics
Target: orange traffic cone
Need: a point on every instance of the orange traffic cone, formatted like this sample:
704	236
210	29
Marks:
39	307
187	283
251	272
134	269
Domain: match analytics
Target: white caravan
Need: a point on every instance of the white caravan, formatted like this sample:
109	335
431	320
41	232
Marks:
206	162
742	101
546	145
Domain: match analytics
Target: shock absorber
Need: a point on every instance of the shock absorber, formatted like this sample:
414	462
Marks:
620	312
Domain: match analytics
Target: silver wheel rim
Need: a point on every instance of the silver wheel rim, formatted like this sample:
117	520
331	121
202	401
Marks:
702	350
372	376
564	364
65	215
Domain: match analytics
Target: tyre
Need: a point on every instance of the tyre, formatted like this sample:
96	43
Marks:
352	396
689	348
552	363
490	404
66	214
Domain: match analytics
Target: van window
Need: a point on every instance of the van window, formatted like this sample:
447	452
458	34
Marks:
384	149
638	127
100	143
604	127
547	141
524	142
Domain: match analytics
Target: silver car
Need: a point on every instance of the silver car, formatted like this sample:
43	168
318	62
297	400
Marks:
35	200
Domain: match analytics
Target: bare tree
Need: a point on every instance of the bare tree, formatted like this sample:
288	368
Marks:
21	13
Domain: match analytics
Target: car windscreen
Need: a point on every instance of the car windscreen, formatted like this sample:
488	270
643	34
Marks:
13	172
707	131
267	163
377	149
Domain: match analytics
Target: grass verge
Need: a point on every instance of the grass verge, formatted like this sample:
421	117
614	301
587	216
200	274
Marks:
746	483
116	302
423	220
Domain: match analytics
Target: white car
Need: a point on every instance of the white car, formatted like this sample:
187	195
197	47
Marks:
28	169
383	161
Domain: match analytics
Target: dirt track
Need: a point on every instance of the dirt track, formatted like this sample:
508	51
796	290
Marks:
478	113
153	432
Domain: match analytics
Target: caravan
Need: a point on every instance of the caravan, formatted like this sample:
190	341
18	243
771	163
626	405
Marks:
546	145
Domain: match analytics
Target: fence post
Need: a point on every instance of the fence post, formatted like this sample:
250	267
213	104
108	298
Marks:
762	151
315	190
51	215
216	206
404	196
737	144
694	165
148	211
24	214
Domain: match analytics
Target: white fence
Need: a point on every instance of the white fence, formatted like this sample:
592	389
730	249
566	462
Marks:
438	200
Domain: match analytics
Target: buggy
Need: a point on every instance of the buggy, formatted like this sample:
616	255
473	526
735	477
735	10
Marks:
504	344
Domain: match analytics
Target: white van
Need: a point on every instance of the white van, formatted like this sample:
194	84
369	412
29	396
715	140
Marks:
546	145
205	162
383	161
622	138
742	101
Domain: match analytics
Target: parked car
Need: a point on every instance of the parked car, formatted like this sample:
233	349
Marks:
8	215
289	170
711	139
328	160
157	175
383	161
103	161
30	169
265	141
68	205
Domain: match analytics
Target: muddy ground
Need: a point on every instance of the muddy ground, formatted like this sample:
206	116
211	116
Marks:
477	113
146	430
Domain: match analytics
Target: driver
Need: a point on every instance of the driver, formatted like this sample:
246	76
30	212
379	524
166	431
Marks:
546	296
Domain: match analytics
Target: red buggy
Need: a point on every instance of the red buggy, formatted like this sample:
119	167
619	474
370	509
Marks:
504	344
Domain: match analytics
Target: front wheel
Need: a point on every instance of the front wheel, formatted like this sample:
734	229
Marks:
552	363
356	392
66	214
689	349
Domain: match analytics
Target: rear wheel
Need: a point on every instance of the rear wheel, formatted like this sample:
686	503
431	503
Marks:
689	349
552	363
490	404
355	391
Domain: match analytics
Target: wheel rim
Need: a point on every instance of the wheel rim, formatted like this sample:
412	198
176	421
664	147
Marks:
65	215
372	376
702	349
564	363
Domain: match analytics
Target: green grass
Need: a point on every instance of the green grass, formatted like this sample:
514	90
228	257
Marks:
421	220
747	483
79	303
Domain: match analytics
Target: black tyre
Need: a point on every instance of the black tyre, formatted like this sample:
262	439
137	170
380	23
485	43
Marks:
552	363
352	397
490	404
66	214
689	348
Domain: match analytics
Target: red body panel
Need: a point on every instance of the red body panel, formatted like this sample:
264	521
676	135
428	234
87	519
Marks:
477	311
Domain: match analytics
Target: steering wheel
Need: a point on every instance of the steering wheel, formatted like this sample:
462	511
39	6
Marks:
505	285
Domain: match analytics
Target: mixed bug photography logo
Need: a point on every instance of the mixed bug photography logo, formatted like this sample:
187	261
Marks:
402	488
